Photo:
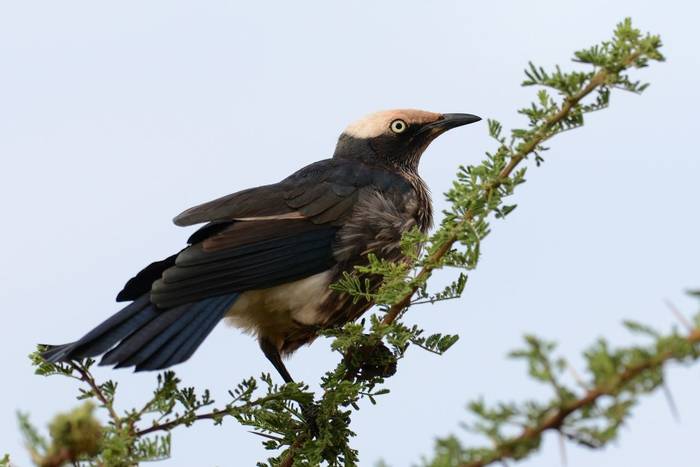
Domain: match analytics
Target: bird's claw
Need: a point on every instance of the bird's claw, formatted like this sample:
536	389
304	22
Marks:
310	414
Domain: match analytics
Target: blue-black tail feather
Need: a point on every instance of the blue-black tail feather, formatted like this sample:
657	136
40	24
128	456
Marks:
146	337
183	345
193	341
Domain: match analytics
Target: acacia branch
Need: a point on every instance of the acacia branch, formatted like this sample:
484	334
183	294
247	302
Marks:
542	134
216	414
478	193
189	418
87	377
555	420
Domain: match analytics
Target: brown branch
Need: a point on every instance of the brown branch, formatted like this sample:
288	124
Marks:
106	402
291	452
541	135
183	419
555	421
213	415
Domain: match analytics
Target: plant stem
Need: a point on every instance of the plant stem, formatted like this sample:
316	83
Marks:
106	402
214	414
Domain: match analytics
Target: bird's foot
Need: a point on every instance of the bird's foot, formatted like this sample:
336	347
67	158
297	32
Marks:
310	414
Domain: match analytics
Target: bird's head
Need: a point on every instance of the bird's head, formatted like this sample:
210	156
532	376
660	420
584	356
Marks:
396	137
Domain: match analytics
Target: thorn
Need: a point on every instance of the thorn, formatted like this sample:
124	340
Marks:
562	449
265	435
573	436
576	376
684	321
671	402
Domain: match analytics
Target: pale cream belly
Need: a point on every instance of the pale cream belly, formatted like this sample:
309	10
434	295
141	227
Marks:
274	312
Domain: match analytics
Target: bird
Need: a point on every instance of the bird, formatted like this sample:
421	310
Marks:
264	258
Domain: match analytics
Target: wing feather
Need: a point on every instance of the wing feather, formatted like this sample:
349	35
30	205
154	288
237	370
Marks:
265	236
246	256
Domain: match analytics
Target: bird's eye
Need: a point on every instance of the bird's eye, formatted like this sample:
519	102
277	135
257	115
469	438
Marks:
398	126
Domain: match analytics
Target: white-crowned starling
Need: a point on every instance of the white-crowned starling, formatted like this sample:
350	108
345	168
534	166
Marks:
266	256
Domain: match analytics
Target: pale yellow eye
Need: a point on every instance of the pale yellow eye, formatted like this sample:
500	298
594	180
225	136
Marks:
398	126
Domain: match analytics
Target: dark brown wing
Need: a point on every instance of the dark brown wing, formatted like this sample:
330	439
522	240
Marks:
247	255
266	236
262	201
323	192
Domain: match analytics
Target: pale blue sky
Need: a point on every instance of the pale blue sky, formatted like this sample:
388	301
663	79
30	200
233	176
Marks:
115	116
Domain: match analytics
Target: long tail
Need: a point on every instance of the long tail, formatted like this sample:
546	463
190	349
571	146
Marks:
146	337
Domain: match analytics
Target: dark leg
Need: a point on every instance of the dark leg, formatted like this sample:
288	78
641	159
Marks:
272	354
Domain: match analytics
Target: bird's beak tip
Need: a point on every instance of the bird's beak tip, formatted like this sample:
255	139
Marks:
458	119
449	121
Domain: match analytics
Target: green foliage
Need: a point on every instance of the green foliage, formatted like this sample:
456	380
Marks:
75	435
479	191
587	411
435	343
78	431
303	428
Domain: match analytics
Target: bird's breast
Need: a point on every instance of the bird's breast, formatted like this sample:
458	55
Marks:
376	226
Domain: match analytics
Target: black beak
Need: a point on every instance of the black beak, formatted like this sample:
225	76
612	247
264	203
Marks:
449	121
